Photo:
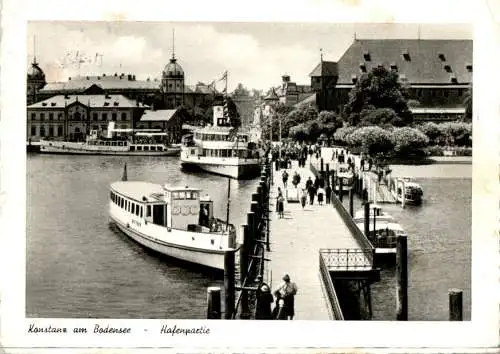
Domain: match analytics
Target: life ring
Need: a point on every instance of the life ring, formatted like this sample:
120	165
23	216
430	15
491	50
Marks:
175	211
194	210
185	210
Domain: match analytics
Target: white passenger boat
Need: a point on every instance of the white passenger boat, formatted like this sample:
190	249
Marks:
175	221
383	229
213	150
375	212
413	191
117	142
384	237
222	148
344	172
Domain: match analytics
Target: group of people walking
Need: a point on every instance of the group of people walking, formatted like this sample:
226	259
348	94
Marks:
284	305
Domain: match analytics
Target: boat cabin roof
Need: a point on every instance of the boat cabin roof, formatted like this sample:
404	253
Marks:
145	191
382	225
139	191
180	189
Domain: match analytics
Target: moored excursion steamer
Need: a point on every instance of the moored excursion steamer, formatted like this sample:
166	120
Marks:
174	221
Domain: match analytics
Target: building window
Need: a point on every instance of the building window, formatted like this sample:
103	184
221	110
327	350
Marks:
124	116
42	116
51	116
42	130
51	131
33	130
94	116
33	116
60	116
113	116
367	56
104	116
59	130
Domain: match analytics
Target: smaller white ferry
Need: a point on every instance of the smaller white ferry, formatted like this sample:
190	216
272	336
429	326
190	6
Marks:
383	229
117	142
409	189
375	212
344	172
175	221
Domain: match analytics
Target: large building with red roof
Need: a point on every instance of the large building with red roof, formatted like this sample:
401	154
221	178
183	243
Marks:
437	74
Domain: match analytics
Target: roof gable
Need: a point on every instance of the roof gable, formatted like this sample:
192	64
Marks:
418	61
325	68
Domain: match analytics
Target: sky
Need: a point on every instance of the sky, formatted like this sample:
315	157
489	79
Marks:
255	54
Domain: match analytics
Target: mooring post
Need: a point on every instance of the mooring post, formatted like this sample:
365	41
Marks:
367	219
327	174
351	202
456	301
244	256
321	165
341	187
333	182
402	278
229	283
254	208
213	303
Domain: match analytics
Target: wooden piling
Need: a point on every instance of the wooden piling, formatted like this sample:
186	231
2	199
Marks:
251	226
341	189
244	257
456	302
254	208
229	284
367	219
333	182
402	278
213	303
351	202
321	164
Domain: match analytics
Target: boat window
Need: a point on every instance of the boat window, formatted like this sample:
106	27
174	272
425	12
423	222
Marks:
132	148
139	148
140	214
182	195
175	195
195	195
146	148
159	148
111	195
107	143
133	208
148	211
113	143
137	207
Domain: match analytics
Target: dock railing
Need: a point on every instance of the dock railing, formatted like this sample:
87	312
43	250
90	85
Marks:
357	233
333	301
347	259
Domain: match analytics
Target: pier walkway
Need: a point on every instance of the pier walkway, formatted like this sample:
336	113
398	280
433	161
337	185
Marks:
296	241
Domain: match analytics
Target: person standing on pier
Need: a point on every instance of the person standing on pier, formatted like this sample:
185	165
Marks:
287	291
303	198
328	193
280	204
321	193
312	193
264	301
284	177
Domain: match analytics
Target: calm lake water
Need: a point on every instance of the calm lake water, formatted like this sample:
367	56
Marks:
439	244
79	266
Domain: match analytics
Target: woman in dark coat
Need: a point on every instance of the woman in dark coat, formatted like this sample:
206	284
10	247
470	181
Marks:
264	301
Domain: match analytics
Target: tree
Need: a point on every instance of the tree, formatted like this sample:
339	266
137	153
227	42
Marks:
408	141
379	88
302	114
374	142
299	133
328	122
433	132
468	105
342	134
380	116
456	133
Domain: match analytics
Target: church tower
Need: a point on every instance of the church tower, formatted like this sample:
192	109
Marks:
34	82
172	82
